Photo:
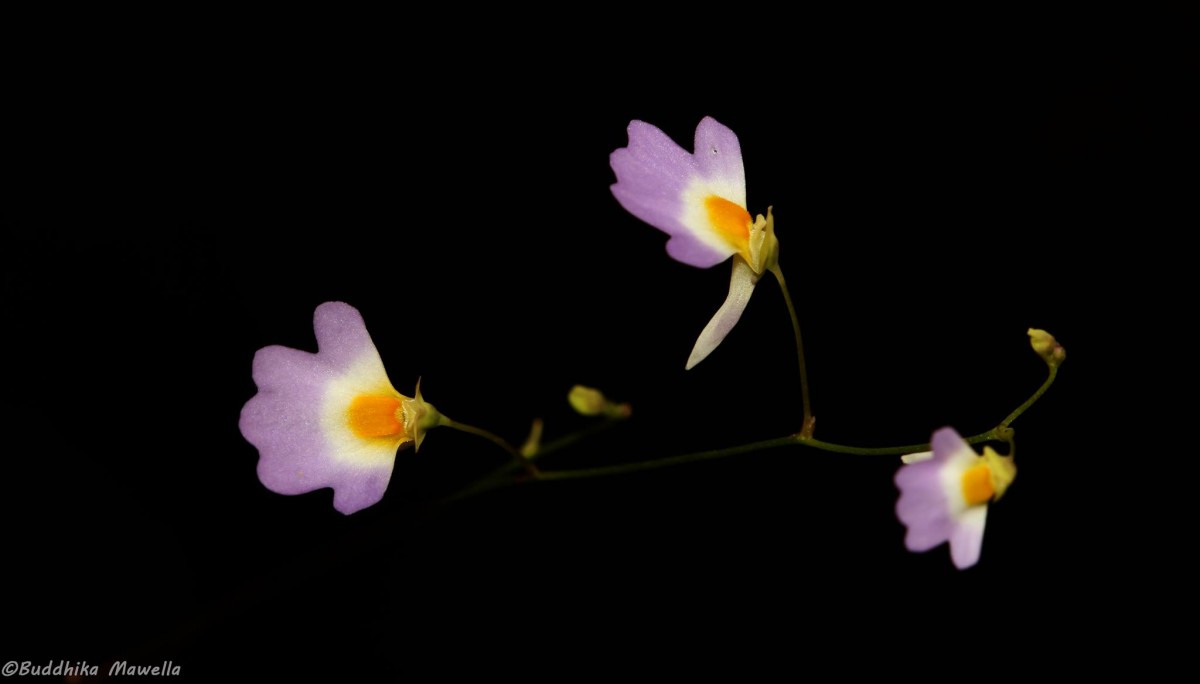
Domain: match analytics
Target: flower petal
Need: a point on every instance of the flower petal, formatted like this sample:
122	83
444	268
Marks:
966	542
297	420
741	286
948	445
922	506
931	504
719	157
665	186
342	337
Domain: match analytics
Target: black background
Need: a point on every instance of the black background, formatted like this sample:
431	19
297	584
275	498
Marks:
165	218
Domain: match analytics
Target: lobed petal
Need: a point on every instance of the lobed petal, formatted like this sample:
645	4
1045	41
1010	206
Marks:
652	173
665	186
922	506
718	155
948	446
342	337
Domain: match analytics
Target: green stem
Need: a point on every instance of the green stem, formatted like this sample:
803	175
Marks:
638	466
492	437
1033	399
996	434
1000	433
862	451
807	425
993	435
568	440
503	476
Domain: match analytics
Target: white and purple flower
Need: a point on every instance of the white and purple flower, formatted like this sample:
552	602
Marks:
699	199
331	419
944	495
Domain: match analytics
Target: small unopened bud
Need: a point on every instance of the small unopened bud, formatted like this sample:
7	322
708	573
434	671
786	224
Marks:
592	402
1047	347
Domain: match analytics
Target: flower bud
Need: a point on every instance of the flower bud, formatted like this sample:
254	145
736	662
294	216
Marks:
588	401
1047	347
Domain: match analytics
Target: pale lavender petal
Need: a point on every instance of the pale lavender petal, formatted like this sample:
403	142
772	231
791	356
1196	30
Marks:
653	174
922	506
719	158
686	248
355	491
947	443
341	333
284	420
741	286
966	542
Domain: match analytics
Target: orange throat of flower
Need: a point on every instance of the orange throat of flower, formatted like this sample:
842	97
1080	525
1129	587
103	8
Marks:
977	485
731	221
377	416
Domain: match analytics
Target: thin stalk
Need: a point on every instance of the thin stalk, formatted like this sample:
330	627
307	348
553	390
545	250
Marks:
807	425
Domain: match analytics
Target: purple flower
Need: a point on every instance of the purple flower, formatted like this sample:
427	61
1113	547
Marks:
330	419
944	495
699	199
